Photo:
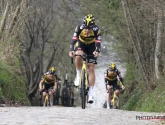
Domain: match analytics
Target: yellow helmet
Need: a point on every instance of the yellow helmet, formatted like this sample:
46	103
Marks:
89	20
112	66
52	70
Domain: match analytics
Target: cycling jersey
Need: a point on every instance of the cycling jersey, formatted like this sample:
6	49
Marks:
48	78
110	75
87	35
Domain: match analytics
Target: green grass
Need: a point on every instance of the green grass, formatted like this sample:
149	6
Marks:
12	85
136	97
154	101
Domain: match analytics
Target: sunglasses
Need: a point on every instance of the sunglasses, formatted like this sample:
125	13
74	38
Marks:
111	69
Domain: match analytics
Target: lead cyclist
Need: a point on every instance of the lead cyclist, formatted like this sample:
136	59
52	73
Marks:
87	37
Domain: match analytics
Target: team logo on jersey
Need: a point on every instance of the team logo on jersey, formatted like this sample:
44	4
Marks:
82	26
87	33
99	38
75	34
95	28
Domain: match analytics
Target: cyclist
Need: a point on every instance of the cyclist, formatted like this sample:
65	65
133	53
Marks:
111	76
87	37
48	84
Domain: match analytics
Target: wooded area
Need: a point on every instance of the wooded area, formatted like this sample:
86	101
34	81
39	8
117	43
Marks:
35	35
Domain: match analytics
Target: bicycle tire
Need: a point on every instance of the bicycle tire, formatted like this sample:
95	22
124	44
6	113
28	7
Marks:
65	97
46	100
56	97
117	103
83	90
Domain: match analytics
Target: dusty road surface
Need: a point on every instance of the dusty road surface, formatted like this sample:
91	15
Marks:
71	116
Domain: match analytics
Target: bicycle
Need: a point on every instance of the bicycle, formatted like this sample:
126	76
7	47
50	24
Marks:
67	97
115	101
47	98
84	82
57	93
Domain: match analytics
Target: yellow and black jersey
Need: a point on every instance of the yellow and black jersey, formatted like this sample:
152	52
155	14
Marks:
48	78
112	75
87	35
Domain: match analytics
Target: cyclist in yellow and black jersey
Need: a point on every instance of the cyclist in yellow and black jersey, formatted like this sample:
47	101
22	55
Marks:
111	76
86	39
48	84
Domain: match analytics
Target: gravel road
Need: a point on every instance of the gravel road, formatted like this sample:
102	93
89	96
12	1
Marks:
72	116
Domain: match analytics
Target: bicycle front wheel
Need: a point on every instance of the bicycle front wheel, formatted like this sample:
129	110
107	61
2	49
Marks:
83	90
117	102
46	103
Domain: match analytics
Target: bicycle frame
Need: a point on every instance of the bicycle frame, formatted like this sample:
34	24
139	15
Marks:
84	67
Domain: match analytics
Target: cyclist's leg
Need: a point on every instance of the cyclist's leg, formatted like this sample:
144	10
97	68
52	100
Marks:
51	93
78	61
117	92
116	88
91	68
108	88
44	92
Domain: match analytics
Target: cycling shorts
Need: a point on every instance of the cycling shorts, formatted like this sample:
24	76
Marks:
114	84
88	49
47	87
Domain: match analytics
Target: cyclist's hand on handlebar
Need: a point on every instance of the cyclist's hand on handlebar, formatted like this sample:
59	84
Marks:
71	53
123	87
53	90
96	54
40	89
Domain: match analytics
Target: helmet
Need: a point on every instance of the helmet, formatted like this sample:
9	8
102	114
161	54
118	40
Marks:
112	66
89	20
52	70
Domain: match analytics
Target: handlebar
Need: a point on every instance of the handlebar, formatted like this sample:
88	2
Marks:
84	56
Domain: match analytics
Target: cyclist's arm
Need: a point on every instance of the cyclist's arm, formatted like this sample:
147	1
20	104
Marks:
105	77
75	38
120	77
98	41
55	85
40	84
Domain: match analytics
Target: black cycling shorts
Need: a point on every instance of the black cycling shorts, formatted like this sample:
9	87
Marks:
88	49
113	84
46	86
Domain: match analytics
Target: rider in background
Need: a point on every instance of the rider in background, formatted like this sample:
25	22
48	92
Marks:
111	76
87	37
48	84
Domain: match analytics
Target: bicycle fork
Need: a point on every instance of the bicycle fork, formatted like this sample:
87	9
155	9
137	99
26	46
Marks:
115	100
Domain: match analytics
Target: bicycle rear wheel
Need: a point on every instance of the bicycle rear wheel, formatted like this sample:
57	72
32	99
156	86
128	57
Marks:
83	90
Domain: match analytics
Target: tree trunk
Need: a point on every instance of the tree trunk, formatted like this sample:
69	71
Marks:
158	43
135	39
4	18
